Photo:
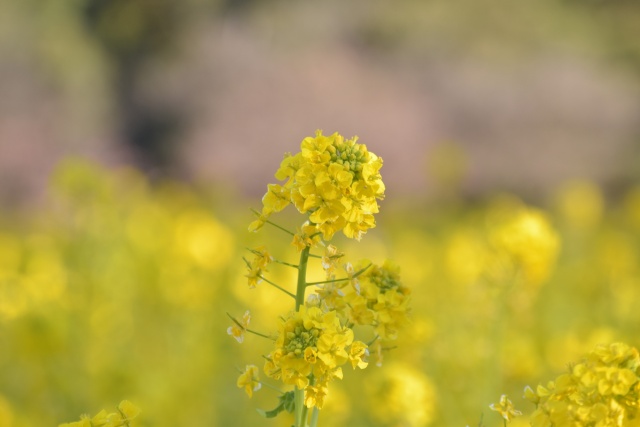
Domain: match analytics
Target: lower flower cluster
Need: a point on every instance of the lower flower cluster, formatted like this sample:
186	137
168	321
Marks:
603	390
310	350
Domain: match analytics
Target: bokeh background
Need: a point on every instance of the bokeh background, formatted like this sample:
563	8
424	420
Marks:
136	134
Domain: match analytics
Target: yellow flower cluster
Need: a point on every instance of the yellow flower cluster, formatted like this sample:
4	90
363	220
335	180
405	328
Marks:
335	181
602	390
127	411
371	295
310	349
526	242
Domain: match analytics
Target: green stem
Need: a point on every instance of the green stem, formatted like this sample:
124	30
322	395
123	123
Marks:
301	409
299	405
302	277
314	417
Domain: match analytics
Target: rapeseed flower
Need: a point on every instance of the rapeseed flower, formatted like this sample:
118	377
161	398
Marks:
249	380
526	242
505	408
237	329
335	181
312	343
601	390
400	395
379	299
336	184
127	411
262	258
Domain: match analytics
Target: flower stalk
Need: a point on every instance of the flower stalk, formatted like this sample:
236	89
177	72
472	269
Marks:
335	183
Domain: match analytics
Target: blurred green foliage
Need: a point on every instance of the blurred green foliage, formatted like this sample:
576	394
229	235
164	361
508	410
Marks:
118	289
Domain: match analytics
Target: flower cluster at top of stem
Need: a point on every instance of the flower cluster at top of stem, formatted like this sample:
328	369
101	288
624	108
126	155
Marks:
126	412
602	390
335	181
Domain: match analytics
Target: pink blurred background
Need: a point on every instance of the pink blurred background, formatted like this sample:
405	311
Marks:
486	95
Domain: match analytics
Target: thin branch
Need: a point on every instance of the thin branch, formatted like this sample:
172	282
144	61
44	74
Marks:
258	334
244	328
273	223
286	263
327	281
356	274
236	322
359	272
277	286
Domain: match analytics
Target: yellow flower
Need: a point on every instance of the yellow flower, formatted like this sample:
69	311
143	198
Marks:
311	341
307	236
603	389
127	411
357	354
383	301
314	396
400	396
237	331
249	380
331	260
262	258
505	408
527	242
276	198
332	347
254	276
335	181
258	264
84	422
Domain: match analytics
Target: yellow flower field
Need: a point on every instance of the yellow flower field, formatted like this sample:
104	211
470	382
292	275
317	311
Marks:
117	289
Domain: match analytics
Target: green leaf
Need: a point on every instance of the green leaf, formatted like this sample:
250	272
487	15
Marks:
287	403
272	413
288	400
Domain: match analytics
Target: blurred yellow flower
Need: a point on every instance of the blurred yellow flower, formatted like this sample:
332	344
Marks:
127	411
529	242
237	329
505	408
580	203
331	260
249	380
601	390
400	395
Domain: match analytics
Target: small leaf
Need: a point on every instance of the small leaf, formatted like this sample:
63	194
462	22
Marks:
288	400
287	403
272	413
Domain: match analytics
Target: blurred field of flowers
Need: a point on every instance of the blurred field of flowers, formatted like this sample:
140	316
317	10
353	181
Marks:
115	280
117	289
